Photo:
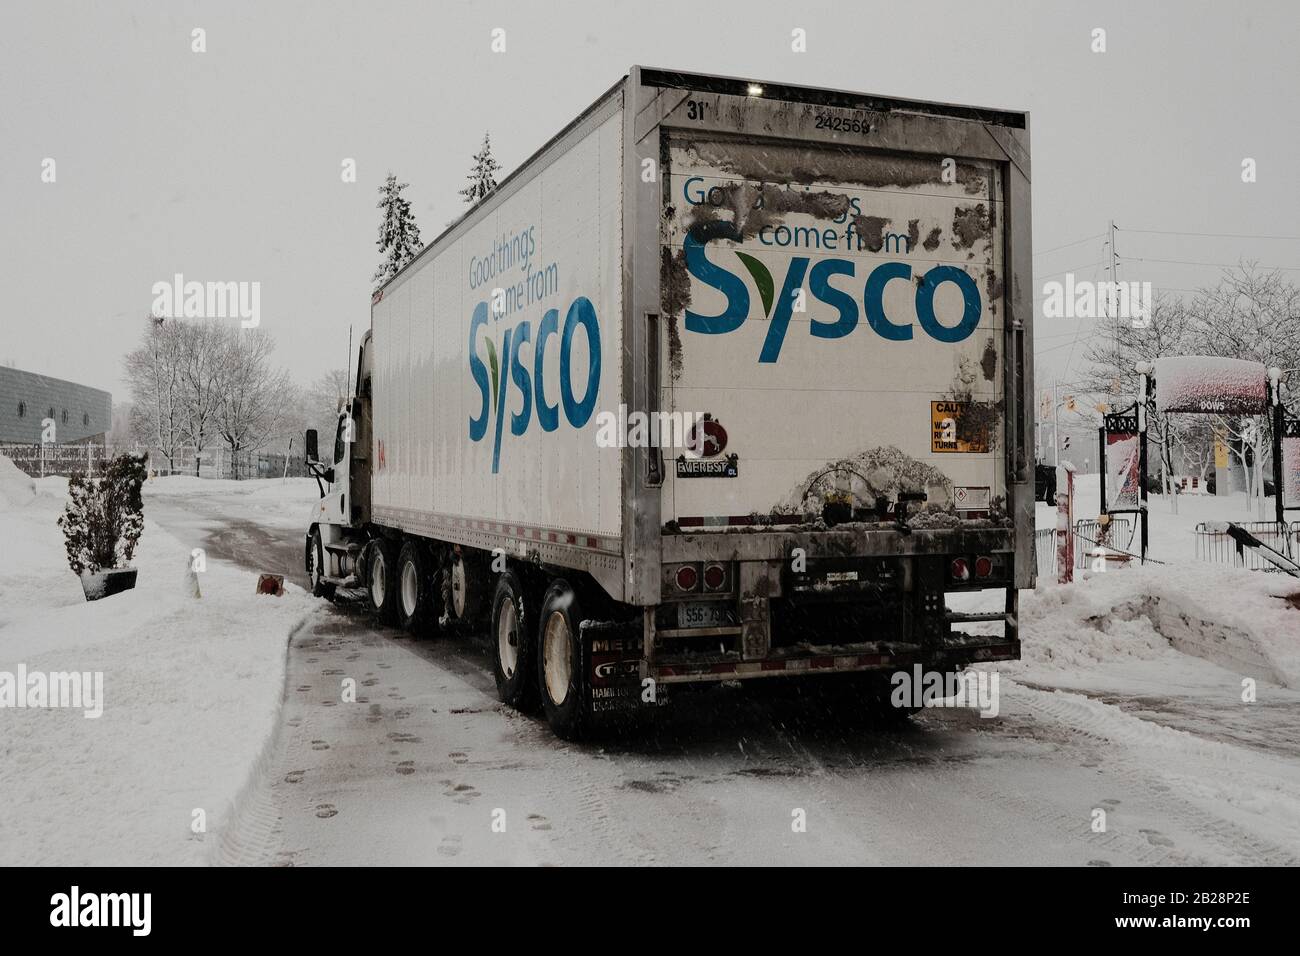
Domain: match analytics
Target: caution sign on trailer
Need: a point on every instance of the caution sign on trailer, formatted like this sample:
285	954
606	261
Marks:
951	429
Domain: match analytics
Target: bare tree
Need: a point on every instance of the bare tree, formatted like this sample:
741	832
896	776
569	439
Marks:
1116	349
202	360
1254	315
251	392
1248	314
153	374
324	398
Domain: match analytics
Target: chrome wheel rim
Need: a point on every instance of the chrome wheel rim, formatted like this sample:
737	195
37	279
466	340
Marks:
508	639
410	588
557	658
378	577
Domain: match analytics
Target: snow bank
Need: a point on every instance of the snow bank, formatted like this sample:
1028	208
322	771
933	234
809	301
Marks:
192	691
1239	620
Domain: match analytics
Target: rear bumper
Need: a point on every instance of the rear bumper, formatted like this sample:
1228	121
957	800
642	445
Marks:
962	651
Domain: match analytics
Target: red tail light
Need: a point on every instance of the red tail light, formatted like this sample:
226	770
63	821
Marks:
960	569
715	576
687	578
983	566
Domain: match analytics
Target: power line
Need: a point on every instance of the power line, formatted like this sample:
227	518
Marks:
1086	265
1076	242
1221	265
1054	348
1209	235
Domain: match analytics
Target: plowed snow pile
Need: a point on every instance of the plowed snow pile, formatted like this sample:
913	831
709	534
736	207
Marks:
1239	620
191	694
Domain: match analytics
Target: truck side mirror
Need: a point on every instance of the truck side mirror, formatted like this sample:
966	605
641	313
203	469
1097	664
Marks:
311	444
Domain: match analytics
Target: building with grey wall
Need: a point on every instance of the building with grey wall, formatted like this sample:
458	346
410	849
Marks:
81	414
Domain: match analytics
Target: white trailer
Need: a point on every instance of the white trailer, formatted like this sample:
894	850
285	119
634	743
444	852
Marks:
727	381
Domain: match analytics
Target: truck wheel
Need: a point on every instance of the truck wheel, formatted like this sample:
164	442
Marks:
381	580
465	585
512	642
316	567
560	675
416	605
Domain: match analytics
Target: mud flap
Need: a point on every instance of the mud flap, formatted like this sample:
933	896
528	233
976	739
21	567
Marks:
612	654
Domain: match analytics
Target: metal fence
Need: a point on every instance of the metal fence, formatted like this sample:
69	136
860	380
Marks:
1218	547
1045	550
1088	536
215	462
50	459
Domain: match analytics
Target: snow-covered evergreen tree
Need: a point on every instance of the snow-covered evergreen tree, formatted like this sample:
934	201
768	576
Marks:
399	236
483	177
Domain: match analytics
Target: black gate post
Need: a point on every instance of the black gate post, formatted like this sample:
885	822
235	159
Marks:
1279	422
1101	459
1143	368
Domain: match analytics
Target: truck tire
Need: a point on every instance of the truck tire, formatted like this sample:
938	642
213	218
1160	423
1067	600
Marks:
416	600
561	678
316	567
381	579
513	623
465	585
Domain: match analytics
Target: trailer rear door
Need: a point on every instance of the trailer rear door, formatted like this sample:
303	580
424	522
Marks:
830	308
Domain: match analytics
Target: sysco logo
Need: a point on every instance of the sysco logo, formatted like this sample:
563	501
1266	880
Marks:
778	307
527	372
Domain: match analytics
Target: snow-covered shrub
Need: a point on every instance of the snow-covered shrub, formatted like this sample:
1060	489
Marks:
104	517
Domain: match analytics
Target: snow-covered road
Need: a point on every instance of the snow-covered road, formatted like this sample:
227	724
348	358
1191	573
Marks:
423	766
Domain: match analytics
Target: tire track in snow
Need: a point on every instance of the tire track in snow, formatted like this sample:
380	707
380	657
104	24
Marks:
1143	749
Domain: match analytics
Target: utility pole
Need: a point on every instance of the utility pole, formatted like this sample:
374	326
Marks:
1112	269
1056	423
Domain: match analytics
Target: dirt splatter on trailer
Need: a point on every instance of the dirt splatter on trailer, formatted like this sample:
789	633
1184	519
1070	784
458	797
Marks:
989	360
823	164
993	286
871	231
754	206
980	423
970	224
675	296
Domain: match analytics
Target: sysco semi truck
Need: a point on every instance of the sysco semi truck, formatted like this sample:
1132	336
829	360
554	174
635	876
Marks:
727	382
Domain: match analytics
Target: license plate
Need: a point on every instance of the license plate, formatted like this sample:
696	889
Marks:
703	615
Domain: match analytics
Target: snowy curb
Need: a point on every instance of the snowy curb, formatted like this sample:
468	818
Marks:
246	829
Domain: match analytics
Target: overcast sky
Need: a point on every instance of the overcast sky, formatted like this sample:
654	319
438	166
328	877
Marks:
226	164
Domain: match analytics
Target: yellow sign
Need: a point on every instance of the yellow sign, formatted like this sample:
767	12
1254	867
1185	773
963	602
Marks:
958	427
1220	452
